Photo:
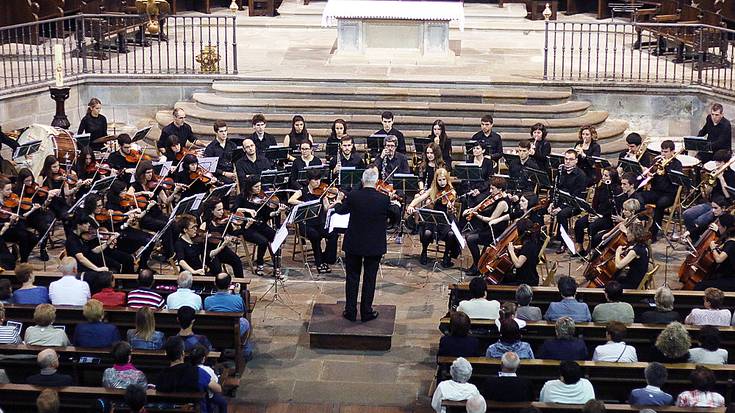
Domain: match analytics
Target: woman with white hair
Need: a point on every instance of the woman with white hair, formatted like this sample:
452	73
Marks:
457	388
664	312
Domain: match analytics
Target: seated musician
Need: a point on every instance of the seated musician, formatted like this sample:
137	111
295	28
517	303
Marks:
573	181
313	229
540	147
215	220
222	148
607	204
663	190
306	158
699	216
194	178
586	147
339	131
173	151
475	189
438	136
190	248
94	123
634	257
38	216
94	255
524	208
253	163
255	203
123	159
114	215
346	157
298	134
718	131
431	160
389	163
526	258
488	222
635	151
386	118
489	138
64	180
717	208
262	139
14	229
179	128
516	169
630	208
723	252
440	197
628	184
88	168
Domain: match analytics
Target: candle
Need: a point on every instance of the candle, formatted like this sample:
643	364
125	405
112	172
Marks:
59	65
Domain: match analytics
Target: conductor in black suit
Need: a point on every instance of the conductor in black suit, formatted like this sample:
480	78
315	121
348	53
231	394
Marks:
364	243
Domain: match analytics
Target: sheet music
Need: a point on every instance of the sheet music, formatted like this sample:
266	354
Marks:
567	240
458	234
335	220
295	209
280	237
209	163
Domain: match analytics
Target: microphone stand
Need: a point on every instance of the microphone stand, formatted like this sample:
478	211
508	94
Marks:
669	247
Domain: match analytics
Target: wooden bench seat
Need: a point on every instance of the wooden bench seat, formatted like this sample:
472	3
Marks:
458	407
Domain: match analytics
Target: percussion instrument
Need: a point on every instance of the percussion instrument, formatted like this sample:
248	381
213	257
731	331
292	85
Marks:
54	141
710	166
655	144
687	161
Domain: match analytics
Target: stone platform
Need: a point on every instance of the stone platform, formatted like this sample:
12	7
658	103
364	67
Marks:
329	330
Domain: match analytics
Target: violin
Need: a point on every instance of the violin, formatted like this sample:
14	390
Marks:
99	234
448	196
183	152
13	201
35	189
202	175
106	215
485	204
324	189
272	201
132	201
135	156
385	188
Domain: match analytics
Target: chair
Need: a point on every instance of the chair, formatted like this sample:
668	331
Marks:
304	248
648	283
673	209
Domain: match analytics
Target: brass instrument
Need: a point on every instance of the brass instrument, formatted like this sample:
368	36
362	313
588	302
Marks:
711	178
642	149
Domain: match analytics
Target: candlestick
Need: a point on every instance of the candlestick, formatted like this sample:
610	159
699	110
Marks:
59	65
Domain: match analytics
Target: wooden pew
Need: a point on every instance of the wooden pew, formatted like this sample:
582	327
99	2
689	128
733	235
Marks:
458	407
14	12
612	381
21	398
100	30
50	9
642	336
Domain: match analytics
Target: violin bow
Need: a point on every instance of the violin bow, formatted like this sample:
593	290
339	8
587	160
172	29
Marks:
204	257
102	250
20	198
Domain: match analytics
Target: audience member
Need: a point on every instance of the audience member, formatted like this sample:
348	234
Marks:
457	388
652	395
570	388
224	301
6	291
136	398
565	346
615	349
184	296
95	332
526	312
508	311
672	345
144	296
185	316
664	312
48	361
68	290
507	386
197	357
614	309
48	400
703	380
122	374
43	333
712	314
478	306
28	293
144	336
709	351
107	295
510	340
568	306
8	334
476	404
459	343
594	406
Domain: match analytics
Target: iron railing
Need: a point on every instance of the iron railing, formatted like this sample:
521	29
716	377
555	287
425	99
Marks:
686	54
119	44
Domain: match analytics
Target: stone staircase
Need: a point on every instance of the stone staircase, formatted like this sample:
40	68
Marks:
415	106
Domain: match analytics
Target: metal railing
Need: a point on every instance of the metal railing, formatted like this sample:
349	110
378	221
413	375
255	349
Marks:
110	43
686	54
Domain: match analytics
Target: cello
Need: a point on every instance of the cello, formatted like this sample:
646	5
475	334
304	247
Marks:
699	263
495	261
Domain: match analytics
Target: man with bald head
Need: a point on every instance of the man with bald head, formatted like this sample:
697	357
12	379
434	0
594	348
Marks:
48	360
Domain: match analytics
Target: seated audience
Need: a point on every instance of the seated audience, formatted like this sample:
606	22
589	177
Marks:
703	380
664	312
8	334
68	290
478	306
43	333
185	316
215	401
184	296
568	306
6	291
136	398
122	374
594	406
652	395
510	340
224	301
476	404
95	332
615	349
508	311
570	388
672	345
107	295
144	296
565	346
28	293
457	388
709	351
526	312
614	309
48	400
712	314
48	360
507	386
181	376
144	336
459	343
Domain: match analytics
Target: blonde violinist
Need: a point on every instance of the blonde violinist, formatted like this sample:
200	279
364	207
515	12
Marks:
487	220
440	197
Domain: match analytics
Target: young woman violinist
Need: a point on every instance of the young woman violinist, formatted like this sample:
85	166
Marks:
189	175
115	219
190	248
14	229
55	178
215	221
525	259
432	161
440	196
147	184
38	216
634	257
487	222
254	203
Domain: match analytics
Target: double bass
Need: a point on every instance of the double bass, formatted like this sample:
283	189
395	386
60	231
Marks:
700	263
495	261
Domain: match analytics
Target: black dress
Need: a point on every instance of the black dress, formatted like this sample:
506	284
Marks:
96	127
527	273
636	269
723	276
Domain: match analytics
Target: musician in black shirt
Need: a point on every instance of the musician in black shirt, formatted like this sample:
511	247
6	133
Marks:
438	135
94	123
178	128
699	216
634	142
517	171
573	181
718	131
222	148
306	159
253	163
606	203
389	164
491	139
388	129
540	147
260	137
663	190
117	160
587	147
346	157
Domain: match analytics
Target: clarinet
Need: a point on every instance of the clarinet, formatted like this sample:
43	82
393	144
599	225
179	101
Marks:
384	166
555	194
339	168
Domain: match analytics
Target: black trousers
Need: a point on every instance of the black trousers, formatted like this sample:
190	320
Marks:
314	235
662	201
25	239
226	256
40	220
595	229
368	266
260	235
563	218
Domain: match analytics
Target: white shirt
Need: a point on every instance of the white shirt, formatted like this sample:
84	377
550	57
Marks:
709	317
555	391
184	297
701	356
615	352
481	308
69	291
452	390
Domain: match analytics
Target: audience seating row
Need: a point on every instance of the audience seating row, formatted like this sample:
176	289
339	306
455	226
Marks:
458	407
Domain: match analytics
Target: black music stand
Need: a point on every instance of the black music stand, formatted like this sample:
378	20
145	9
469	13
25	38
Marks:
567	199
406	183
538	177
276	153
555	161
680	179
184	206
83	139
467	172
511	158
141	133
697	143
437	218
220	192
420	144
103	184
629	165
273	178
350	177
322	169
302	213
27	149
468	145
374	143
604	163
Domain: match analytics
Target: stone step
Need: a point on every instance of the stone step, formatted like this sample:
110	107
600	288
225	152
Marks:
454	123
434	109
423	94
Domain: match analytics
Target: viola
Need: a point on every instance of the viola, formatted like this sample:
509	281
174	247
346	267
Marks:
324	189
99	168
202	175
132	201
135	156
106	215
385	188
13	201
35	189
485	204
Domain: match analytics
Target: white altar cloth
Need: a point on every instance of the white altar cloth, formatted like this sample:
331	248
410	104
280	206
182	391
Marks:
393	10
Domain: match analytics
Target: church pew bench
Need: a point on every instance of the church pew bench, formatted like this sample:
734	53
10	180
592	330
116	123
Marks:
459	407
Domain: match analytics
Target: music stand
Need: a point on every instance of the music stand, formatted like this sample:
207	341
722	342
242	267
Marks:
680	179
184	206
468	145
83	139
141	133
438	218
322	169
273	178
276	153
237	154
555	160
375	142
406	183
468	172
697	143
220	192
350	177
630	166
27	149
604	163
511	158
420	144
103	184
332	149
302	213
538	177
567	199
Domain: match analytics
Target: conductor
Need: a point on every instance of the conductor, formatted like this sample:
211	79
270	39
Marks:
364	243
